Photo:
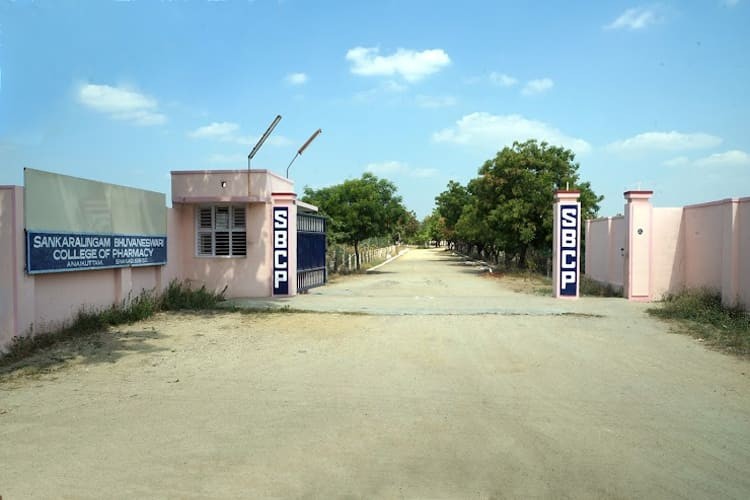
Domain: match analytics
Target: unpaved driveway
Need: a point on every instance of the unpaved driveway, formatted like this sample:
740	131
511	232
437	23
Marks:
452	387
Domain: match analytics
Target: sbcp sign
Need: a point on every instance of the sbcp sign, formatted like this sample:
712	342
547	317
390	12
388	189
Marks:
568	250
280	250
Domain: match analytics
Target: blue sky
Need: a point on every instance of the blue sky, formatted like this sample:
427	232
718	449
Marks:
649	95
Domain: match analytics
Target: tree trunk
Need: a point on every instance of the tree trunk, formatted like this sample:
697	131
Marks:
522	257
356	253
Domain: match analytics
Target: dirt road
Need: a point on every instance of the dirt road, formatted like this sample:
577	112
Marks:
451	386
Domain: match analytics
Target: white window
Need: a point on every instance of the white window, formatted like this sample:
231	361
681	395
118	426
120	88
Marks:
220	231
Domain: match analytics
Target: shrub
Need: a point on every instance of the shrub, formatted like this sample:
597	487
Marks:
702	315
177	296
594	288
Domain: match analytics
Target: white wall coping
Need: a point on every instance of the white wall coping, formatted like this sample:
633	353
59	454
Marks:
236	171
725	201
220	199
602	219
307	206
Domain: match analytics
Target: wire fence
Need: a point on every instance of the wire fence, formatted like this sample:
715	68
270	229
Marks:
342	259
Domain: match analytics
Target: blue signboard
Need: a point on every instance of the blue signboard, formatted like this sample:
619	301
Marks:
56	252
280	250
569	234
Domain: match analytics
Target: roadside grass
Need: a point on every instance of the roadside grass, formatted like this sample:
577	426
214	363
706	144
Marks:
90	322
179	296
524	281
592	288
700	313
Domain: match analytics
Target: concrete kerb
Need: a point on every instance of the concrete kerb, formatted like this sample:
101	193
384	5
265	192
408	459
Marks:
402	252
469	261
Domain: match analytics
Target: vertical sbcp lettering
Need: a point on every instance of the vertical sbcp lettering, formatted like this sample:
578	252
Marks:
569	236
281	251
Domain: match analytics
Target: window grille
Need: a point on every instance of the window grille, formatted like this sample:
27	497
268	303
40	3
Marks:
220	231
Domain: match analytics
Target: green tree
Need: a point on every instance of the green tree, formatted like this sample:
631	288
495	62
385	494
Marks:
514	194
434	227
359	209
407	227
473	229
450	204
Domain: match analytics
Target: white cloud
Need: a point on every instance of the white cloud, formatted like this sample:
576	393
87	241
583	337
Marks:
426	101
539	86
502	79
496	131
399	168
121	104
633	19
731	158
680	161
411	65
296	79
228	132
730	3
384	88
393	86
216	130
665	141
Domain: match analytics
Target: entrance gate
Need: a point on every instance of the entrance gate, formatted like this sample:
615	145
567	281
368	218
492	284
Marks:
311	251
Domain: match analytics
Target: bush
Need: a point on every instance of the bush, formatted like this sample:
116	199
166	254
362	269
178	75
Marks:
594	288
702	315
180	296
177	296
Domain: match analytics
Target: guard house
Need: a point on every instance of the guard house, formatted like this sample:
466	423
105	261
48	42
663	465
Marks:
68	244
247	231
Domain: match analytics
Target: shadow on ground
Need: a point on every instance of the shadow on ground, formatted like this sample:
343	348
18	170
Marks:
91	349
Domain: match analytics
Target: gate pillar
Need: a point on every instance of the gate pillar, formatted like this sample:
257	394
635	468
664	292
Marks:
283	245
638	243
566	245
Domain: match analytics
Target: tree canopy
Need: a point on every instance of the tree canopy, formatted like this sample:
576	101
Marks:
450	205
508	207
362	208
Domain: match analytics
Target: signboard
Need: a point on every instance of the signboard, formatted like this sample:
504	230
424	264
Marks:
48	252
66	204
569	250
280	250
75	224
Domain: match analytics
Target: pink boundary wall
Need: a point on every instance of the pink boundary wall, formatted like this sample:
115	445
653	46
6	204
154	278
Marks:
42	302
704	245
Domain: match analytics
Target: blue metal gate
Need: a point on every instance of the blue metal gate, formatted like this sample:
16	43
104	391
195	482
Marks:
311	251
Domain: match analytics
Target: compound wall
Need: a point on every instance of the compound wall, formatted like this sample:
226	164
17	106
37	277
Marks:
697	246
37	303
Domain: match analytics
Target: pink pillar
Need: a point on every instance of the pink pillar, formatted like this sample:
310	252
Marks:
123	284
638	245
566	245
284	244
730	258
17	299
